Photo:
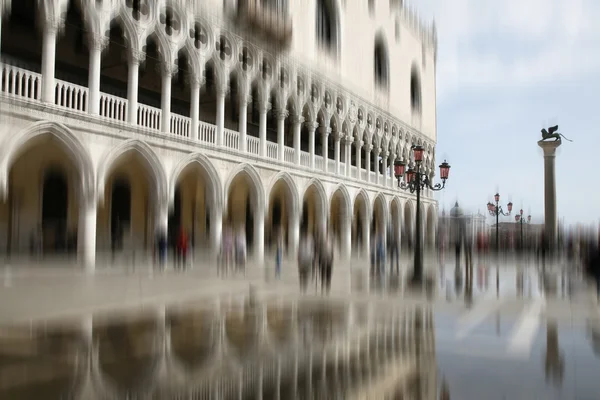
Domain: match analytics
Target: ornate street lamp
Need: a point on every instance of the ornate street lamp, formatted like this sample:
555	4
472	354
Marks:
495	210
416	180
520	218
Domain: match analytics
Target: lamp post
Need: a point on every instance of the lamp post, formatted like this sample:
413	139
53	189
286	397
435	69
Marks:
415	181
496	210
520	218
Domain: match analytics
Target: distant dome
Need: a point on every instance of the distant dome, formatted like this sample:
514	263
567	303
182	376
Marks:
456	211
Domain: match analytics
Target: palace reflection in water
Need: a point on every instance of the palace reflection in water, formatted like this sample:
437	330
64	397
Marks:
233	348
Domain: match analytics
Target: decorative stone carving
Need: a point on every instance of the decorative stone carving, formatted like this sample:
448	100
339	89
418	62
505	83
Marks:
352	113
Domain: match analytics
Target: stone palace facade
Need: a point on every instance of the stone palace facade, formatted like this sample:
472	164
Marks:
122	117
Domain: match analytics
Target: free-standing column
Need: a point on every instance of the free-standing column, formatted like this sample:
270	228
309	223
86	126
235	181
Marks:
97	44
336	154
347	233
216	222
167	70
550	221
347	154
195	83
294	231
259	235
384	161
366	235
368	149
376	163
262	128
221	92
135	57
281	116
312	126
359	145
86	234
243	121
48	61
325	131
297	132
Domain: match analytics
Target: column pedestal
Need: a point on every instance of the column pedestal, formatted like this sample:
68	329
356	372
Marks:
550	222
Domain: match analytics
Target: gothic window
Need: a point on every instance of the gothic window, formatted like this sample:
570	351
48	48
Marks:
381	64
279	6
415	90
326	25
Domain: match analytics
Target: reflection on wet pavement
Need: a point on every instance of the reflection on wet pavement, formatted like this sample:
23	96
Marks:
235	348
506	333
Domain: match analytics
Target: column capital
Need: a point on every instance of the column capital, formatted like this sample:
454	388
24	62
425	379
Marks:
263	106
549	147
369	147
98	42
312	125
298	119
222	90
359	143
386	154
167	69
136	56
196	80
325	130
281	113
53	25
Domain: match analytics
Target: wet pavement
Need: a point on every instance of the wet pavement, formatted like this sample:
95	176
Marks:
515	332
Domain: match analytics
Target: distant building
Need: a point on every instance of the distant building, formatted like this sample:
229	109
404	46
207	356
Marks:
472	224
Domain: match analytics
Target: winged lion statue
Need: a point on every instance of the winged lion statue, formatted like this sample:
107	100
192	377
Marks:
552	133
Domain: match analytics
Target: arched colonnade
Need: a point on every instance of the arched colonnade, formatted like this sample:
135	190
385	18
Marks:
58	197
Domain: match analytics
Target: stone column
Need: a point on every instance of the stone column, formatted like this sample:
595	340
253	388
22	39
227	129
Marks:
195	83
391	171
294	234
243	122
262	128
336	154
297	133
259	235
49	60
325	131
384	161
167	71
221	92
86	233
216	223
348	155
376	159
550	220
359	145
281	116
368	148
135	58
347	233
312	127
97	44
367	236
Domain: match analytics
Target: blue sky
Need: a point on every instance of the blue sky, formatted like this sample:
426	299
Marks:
505	70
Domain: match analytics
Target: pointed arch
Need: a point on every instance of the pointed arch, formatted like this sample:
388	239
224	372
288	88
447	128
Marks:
159	180
362	193
381	62
318	185
341	188
328	25
210	171
291	185
16	144
257	185
415	89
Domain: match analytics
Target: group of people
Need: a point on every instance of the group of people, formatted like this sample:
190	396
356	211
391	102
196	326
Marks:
181	246
380	250
315	259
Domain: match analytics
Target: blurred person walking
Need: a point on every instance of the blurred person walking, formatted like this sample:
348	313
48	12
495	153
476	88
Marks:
278	253
306	259
326	261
